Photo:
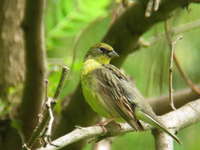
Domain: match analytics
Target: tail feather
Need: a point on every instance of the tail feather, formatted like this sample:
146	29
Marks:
136	125
155	123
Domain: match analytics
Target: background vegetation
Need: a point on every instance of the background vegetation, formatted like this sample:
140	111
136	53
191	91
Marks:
71	27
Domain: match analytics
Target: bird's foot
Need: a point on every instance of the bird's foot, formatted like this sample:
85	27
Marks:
104	123
109	127
109	124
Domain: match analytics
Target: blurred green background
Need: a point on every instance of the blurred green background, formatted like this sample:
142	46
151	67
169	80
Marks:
72	26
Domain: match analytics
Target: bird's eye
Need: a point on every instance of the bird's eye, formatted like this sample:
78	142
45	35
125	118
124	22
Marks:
103	50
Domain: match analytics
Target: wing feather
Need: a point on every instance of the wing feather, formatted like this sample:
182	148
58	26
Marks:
115	94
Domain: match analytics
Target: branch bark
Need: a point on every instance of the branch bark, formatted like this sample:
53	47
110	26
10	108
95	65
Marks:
11	45
176	120
133	23
47	117
12	68
161	104
162	141
33	93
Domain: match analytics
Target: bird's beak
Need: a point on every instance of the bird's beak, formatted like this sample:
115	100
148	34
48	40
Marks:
113	54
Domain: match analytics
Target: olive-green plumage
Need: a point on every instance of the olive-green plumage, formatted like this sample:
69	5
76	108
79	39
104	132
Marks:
112	94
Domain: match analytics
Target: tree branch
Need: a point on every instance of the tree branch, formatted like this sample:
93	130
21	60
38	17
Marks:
162	141
178	119
171	45
35	66
161	104
174	31
185	76
47	114
133	23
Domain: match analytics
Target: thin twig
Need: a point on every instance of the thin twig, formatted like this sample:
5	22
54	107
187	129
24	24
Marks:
171	73
47	113
185	77
172	48
175	30
48	131
50	102
61	82
172	56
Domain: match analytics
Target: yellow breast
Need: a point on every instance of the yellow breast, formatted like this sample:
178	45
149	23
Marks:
89	65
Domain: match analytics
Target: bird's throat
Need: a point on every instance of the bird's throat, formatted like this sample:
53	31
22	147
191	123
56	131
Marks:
89	65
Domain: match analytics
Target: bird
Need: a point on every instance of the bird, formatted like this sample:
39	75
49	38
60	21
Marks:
112	94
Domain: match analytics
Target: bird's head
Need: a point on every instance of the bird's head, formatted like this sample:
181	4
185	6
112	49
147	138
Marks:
102	53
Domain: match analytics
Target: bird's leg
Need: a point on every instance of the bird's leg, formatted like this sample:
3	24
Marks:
104	122
108	126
